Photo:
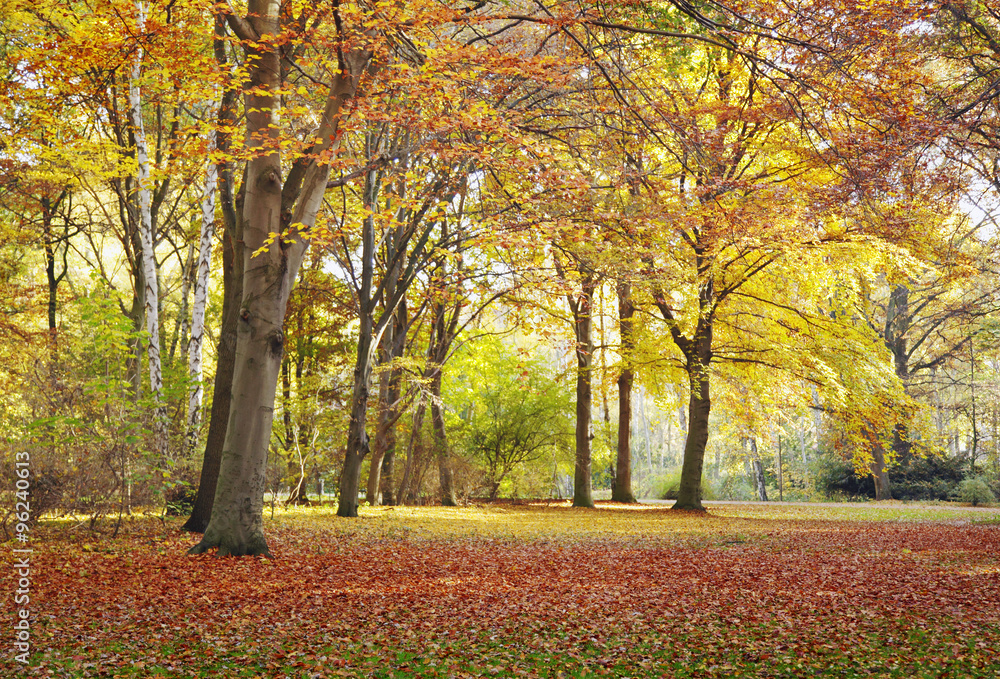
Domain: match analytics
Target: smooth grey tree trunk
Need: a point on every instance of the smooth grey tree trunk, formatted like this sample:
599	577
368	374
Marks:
357	436
271	206
757	467
373	493
383	482
441	451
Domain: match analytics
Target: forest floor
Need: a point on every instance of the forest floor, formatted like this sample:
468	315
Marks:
526	591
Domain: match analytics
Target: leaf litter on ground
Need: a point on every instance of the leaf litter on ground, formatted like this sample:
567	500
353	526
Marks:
532	590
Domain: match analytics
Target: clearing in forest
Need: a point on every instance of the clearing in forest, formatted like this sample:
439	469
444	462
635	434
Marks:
535	590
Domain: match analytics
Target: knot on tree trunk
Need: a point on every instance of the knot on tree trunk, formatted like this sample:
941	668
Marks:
276	342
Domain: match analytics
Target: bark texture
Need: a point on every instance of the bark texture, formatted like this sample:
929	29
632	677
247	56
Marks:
883	487
200	300
148	241
441	450
697	351
271	206
231	205
622	491
581	307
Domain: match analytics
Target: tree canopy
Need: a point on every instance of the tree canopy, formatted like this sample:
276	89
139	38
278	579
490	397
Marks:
249	246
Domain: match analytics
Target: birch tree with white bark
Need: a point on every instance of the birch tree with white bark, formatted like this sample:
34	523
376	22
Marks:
196	390
147	238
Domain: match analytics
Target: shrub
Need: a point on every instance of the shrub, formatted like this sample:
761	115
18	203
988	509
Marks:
734	487
180	499
930	478
836	479
666	486
975	491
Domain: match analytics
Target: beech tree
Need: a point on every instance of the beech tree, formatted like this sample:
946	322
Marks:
277	213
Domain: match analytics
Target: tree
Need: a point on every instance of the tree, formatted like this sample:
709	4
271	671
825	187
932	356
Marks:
277	213
580	300
510	409
231	202
622	491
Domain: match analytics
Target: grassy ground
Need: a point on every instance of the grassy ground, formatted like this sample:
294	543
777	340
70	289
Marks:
529	590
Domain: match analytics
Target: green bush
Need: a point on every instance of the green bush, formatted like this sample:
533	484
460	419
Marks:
927	478
734	487
975	491
835	478
666	486
930	478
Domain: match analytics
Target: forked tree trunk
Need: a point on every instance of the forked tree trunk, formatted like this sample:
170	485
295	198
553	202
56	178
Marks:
697	352
270	207
622	491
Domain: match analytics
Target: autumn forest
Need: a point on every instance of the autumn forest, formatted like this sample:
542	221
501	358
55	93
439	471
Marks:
295	279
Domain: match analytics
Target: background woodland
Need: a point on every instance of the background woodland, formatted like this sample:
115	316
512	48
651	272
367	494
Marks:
431	251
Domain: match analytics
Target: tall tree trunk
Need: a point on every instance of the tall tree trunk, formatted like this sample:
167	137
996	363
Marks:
583	329
883	487
758	479
357	437
699	409
201	300
897	324
623	467
386	480
271	206
756	469
697	352
373	493
387	432
231	204
405	491
225	366
148	239
780	471
393	344
448	497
